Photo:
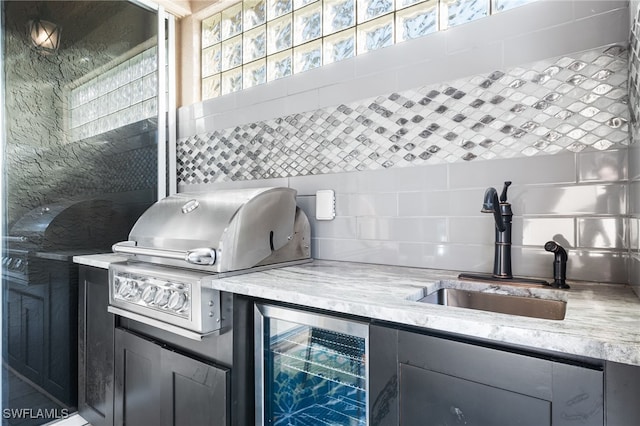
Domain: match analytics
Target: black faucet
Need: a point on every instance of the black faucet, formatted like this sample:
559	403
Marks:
559	264
502	214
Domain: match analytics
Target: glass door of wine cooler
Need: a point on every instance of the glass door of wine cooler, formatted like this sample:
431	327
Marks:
311	369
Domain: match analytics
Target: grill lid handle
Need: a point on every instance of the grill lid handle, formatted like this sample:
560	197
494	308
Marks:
198	256
201	256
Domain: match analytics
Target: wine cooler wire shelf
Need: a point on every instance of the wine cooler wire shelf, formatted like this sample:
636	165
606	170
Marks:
309	361
331	352
353	347
329	379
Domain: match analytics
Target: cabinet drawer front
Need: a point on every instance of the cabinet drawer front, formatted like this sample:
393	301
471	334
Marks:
430	398
517	373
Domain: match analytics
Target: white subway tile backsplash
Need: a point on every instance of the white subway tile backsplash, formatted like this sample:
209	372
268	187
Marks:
372	181
634	161
477	60
461	257
472	230
260	93
427	230
340	227
424	178
367	204
571	200
634	273
537	231
469	202
433	203
235	184
358	89
584	265
343	183
608	233
366	251
216	105
328	75
607	266
185	121
634	234
537	15
404	179
598	30
299	102
634	202
521	171
414	76
603	166
584	9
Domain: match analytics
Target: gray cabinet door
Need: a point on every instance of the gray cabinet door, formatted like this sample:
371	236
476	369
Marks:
431	398
431	381
96	328
138	381
193	392
25	334
156	386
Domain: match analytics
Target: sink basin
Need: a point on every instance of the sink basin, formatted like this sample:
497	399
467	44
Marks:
493	299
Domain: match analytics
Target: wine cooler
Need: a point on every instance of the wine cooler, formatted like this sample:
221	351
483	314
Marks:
311	369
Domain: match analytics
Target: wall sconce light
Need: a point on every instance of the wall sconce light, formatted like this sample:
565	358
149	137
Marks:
45	36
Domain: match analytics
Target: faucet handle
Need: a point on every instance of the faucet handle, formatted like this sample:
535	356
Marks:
503	196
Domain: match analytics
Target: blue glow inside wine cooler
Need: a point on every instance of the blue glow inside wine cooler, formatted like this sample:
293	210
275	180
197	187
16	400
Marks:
311	369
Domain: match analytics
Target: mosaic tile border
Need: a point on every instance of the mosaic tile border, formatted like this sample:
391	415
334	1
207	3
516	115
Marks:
569	103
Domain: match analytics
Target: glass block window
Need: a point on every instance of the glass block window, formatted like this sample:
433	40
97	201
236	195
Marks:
456	12
500	5
125	94
257	41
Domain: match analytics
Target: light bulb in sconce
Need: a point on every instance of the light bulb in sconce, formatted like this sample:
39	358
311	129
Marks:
45	36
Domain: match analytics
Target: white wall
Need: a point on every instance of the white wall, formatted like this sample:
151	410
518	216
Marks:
429	216
540	30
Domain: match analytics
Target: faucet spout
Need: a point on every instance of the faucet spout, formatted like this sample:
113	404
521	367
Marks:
491	204
502	215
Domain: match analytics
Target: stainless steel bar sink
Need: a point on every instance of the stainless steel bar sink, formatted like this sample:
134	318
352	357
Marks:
528	306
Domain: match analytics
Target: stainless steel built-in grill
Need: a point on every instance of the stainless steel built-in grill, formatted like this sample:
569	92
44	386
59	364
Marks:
40	289
183	242
73	226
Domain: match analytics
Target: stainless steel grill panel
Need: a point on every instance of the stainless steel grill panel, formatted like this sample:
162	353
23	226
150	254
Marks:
216	234
221	231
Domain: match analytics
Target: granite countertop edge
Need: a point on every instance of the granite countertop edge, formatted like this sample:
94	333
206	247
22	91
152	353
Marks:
602	320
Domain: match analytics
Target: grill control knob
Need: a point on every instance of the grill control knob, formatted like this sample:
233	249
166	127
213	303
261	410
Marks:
124	288
177	300
149	293
161	297
128	289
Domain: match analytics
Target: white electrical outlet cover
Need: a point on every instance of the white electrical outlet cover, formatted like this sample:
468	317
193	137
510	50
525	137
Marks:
325	204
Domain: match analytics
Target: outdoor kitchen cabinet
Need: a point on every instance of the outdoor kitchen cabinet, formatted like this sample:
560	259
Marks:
96	333
157	386
422	380
39	321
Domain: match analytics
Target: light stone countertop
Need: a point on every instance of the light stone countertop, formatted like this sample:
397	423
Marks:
602	320
100	260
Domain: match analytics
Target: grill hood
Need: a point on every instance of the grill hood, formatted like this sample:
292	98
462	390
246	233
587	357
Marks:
67	225
221	231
